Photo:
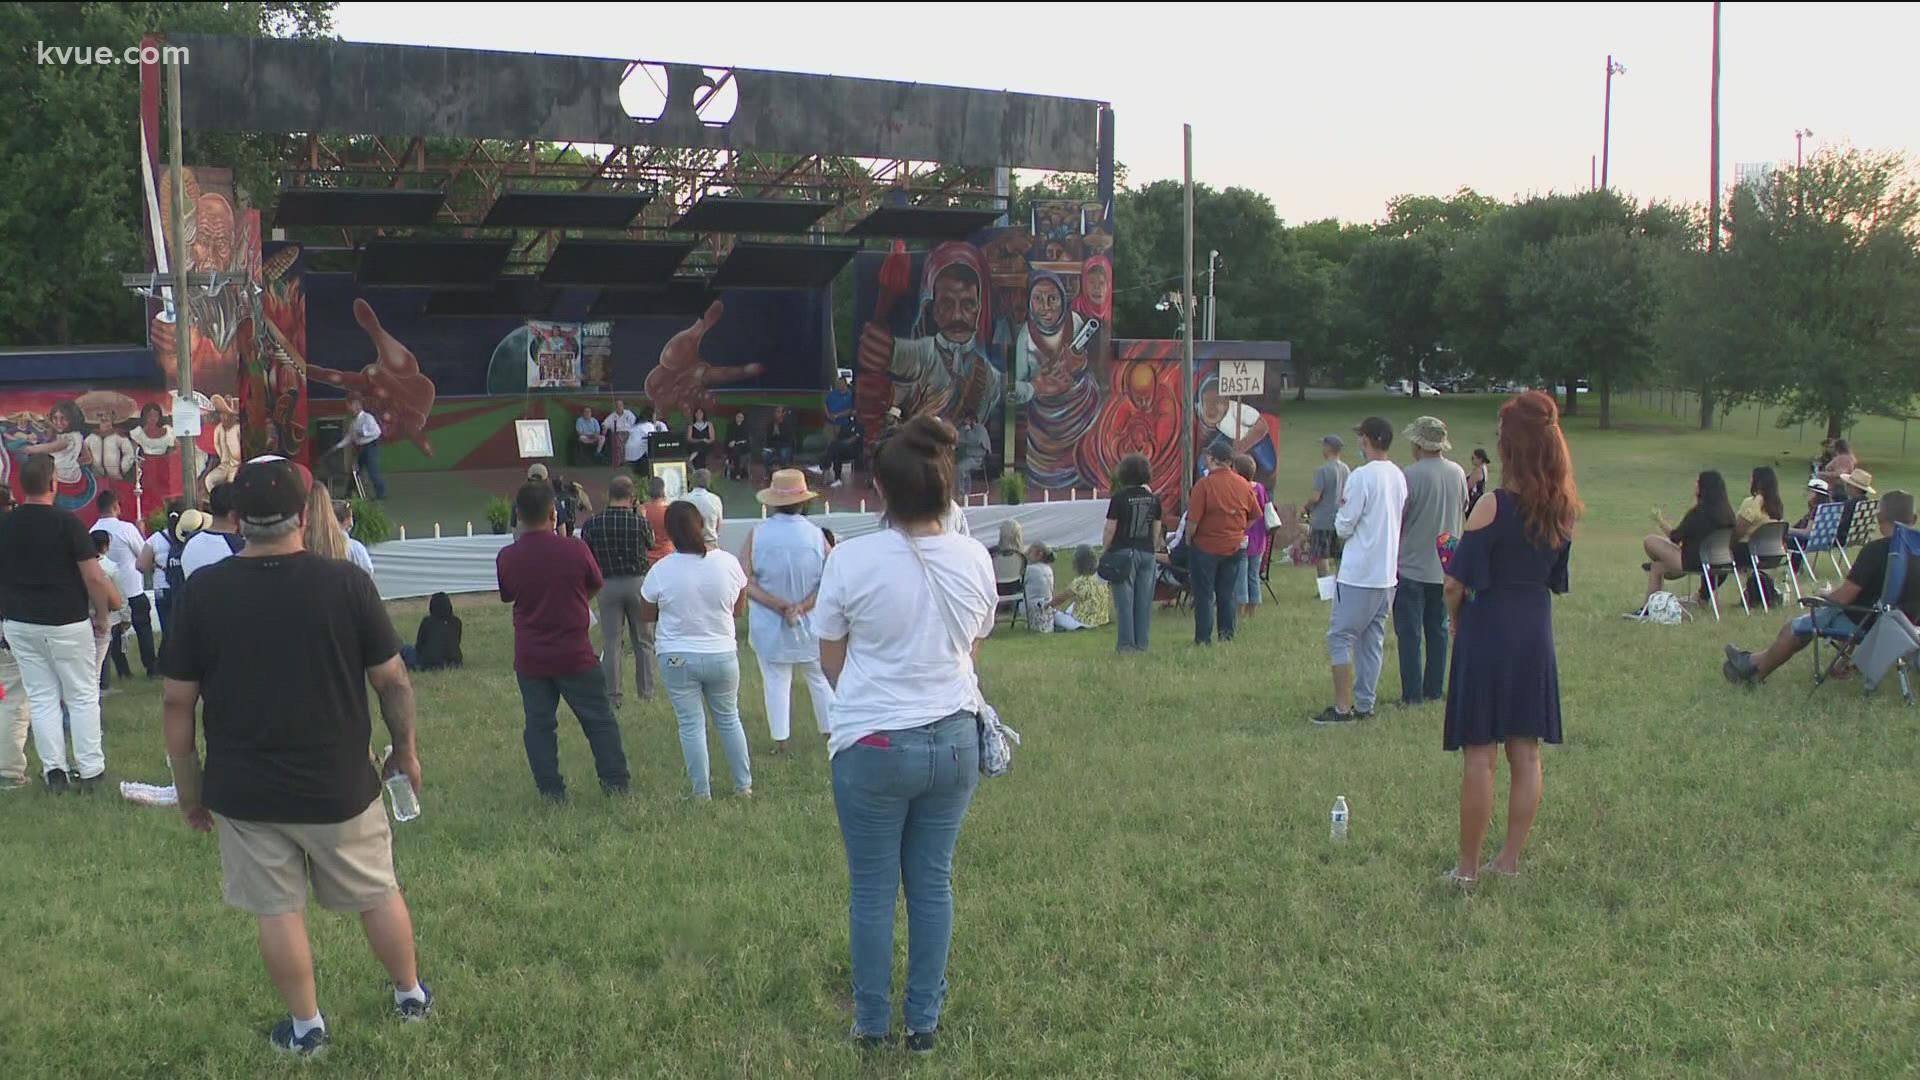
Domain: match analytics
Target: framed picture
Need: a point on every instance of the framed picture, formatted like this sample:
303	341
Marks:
674	475
535	438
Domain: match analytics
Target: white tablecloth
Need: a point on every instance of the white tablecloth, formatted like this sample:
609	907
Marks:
464	564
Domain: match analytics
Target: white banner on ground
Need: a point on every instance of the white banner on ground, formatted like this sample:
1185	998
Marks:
464	564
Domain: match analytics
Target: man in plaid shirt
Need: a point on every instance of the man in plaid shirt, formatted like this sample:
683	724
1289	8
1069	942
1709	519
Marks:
619	538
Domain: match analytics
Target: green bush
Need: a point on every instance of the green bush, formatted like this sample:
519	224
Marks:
499	514
371	525
157	520
1013	487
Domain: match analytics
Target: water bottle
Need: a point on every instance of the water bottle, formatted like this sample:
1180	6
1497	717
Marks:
1339	819
400	796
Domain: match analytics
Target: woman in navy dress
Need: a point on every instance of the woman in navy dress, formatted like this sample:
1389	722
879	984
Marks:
1505	685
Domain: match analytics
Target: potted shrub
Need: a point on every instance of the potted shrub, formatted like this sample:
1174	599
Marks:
1013	487
499	514
371	525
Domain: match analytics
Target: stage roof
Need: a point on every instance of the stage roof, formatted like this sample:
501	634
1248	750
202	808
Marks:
925	222
782	266
615	262
355	206
736	214
567	209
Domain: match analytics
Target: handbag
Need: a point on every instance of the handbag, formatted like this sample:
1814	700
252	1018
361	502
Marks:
997	740
1114	566
1273	517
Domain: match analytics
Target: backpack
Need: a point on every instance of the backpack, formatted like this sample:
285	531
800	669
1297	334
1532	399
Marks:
1664	608
174	571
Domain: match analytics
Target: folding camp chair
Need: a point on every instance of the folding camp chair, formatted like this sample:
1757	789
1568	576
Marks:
1010	582
1266	568
1823	534
1860	530
1716	557
1767	550
1889	642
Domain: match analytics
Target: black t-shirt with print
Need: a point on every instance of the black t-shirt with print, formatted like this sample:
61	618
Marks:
41	549
1134	512
280	647
1870	574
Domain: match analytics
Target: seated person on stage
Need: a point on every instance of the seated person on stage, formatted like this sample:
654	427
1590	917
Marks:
845	448
1863	587
778	447
971	456
700	439
739	448
588	437
437	643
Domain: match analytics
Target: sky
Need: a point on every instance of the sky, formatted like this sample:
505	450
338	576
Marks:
1328	109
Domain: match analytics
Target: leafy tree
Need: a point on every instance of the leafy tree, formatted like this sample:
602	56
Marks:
1822	267
1394	281
1586	303
70	207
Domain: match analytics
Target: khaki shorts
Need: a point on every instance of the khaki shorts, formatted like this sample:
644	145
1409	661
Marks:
267	865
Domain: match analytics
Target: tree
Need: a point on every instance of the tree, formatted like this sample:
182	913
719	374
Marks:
1822	265
1586	303
1394	280
70	209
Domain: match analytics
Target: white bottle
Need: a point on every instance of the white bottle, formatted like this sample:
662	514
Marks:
400	796
1340	819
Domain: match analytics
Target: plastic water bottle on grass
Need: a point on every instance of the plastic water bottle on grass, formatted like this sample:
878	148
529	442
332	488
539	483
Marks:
400	796
1339	819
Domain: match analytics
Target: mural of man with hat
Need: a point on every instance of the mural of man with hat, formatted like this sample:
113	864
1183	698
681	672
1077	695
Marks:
1436	496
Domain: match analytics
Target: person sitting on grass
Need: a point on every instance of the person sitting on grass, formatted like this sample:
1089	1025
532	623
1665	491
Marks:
1042	602
436	645
1674	552
1863	587
1092	599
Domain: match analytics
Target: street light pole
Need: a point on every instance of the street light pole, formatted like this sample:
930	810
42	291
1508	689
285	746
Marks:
1606	118
1213	264
1799	170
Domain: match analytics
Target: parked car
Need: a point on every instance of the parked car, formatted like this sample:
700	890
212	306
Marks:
1403	388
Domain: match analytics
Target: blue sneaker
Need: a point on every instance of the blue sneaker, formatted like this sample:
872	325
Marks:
410	1010
282	1039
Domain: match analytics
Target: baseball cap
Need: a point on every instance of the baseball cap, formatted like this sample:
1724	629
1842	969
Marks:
536	471
1819	485
1377	431
268	492
1333	442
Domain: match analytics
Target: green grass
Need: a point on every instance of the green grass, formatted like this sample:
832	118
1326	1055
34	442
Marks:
1720	883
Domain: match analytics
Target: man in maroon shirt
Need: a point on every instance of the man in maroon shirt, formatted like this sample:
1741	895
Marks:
549	579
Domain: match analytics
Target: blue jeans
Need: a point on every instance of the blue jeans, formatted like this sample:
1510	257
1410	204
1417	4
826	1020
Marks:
1832	623
900	806
1249	591
694	683
1357	635
1420	611
1133	601
586	695
370	464
1216	584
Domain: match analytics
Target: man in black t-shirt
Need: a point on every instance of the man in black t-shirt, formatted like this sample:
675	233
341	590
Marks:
1863	588
56	598
278	645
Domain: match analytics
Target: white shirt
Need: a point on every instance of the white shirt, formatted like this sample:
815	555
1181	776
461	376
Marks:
909	656
1369	523
125	577
955	520
637	434
362	431
696	596
161	548
203	550
126	546
710	511
620	421
358	555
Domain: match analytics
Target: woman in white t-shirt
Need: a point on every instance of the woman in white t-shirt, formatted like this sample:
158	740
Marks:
899	614
695	594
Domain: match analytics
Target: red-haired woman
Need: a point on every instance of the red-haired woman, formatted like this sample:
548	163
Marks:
1505	687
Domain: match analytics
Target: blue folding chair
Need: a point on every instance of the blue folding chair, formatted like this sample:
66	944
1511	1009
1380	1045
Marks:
1878	637
1823	534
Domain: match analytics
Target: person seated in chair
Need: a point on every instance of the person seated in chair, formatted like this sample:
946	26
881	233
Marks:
590	441
739	448
1864	584
1675	551
777	449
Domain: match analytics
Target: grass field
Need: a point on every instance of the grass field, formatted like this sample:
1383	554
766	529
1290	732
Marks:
1720	883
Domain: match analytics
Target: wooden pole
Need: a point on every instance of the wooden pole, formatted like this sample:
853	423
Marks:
1187	313
182	321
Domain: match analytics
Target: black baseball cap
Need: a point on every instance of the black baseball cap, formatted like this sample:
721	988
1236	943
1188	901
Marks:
268	492
1377	431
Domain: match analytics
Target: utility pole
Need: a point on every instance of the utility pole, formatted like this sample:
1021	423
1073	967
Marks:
182	320
1213	266
1713	201
1799	170
1186	367
1606	118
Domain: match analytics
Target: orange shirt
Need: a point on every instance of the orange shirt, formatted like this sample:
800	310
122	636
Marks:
662	543
1222	507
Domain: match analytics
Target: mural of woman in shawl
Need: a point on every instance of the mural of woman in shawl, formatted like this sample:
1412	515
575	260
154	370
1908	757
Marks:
1096	290
1051	377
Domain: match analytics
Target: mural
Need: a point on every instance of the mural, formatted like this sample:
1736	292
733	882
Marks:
273	388
218	240
100	439
1141	412
1016	316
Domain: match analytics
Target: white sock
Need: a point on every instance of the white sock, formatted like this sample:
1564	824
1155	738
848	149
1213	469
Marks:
418	993
302	1027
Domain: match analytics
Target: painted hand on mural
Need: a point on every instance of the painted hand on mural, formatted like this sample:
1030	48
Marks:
682	381
397	394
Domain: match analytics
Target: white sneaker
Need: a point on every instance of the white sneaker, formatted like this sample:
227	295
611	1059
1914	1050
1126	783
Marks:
837	483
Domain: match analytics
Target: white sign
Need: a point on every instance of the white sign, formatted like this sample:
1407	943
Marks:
186	416
1243	378
535	438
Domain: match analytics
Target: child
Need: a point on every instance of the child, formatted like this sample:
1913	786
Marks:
127	580
1041	600
437	643
1092	604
